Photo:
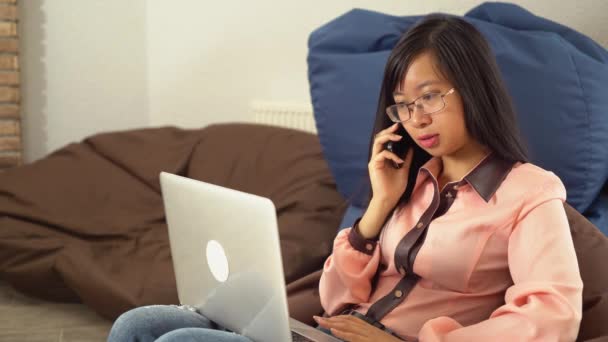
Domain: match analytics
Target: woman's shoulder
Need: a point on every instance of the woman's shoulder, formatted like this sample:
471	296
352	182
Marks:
529	174
533	182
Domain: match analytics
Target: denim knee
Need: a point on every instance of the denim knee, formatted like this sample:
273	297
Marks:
131	326
202	335
147	323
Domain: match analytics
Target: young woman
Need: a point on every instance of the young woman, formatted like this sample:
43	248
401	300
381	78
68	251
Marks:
466	241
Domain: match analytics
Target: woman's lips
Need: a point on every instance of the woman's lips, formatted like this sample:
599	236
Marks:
429	141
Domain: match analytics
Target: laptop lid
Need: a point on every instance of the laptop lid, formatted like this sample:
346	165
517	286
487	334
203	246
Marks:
226	256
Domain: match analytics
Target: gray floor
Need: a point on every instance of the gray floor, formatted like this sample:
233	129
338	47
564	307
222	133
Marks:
29	319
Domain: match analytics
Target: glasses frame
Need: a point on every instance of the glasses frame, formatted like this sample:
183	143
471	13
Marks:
395	106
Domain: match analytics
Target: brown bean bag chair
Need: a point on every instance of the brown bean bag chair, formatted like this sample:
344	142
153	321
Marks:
87	222
592	253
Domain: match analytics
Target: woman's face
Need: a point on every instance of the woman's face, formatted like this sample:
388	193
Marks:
448	125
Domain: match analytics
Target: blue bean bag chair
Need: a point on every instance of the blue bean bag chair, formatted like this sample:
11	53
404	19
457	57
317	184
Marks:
556	76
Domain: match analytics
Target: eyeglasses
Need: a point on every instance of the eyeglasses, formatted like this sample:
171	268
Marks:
429	103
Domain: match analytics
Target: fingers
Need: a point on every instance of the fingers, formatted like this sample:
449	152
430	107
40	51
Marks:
378	161
324	322
343	322
344	335
329	322
346	327
383	137
390	128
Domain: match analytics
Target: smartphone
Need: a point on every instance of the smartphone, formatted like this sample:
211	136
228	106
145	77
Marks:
399	147
390	146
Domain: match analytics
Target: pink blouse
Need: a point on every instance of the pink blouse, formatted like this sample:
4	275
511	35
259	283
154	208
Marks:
499	265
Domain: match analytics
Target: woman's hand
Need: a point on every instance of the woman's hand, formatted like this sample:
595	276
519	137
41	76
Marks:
388	183
352	329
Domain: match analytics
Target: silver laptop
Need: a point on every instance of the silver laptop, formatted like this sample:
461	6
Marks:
227	259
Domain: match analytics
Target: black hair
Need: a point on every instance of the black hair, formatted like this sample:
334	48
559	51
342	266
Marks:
464	58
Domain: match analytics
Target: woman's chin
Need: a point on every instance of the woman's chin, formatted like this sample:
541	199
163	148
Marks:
435	152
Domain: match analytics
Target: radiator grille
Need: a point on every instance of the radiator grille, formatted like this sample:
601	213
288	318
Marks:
296	116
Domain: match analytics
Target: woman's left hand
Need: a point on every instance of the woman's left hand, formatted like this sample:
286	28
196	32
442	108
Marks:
353	329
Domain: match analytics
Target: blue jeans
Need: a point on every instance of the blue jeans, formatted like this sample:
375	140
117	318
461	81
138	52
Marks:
166	323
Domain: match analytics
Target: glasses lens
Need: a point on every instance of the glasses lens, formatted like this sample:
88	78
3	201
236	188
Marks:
404	112
398	113
431	103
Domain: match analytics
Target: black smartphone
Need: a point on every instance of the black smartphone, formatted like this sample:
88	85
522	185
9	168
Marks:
399	147
390	146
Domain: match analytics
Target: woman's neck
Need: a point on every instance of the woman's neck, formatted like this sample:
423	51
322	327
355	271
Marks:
458	164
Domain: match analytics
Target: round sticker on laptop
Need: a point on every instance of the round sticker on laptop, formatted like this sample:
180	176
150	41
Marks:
217	261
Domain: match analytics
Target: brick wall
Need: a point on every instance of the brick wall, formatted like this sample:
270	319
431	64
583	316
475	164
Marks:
10	123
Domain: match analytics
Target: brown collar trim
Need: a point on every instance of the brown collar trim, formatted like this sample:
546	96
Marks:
488	175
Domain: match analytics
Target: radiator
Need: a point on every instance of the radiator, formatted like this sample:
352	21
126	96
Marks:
297	116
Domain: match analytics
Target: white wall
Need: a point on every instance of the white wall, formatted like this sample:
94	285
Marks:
93	66
209	61
83	70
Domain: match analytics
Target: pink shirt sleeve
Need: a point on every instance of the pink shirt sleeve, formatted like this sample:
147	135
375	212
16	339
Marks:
545	301
348	272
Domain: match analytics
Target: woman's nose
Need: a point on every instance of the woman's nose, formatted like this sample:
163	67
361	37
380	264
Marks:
419	118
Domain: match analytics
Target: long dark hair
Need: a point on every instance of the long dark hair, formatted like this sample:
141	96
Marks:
464	58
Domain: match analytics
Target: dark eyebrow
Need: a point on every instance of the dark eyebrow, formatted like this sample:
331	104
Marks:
419	86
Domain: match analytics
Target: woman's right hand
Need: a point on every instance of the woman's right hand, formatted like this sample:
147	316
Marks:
388	183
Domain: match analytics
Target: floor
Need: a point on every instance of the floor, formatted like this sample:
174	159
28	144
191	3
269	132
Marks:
27	319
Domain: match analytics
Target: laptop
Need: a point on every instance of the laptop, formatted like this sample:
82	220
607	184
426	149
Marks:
227	260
